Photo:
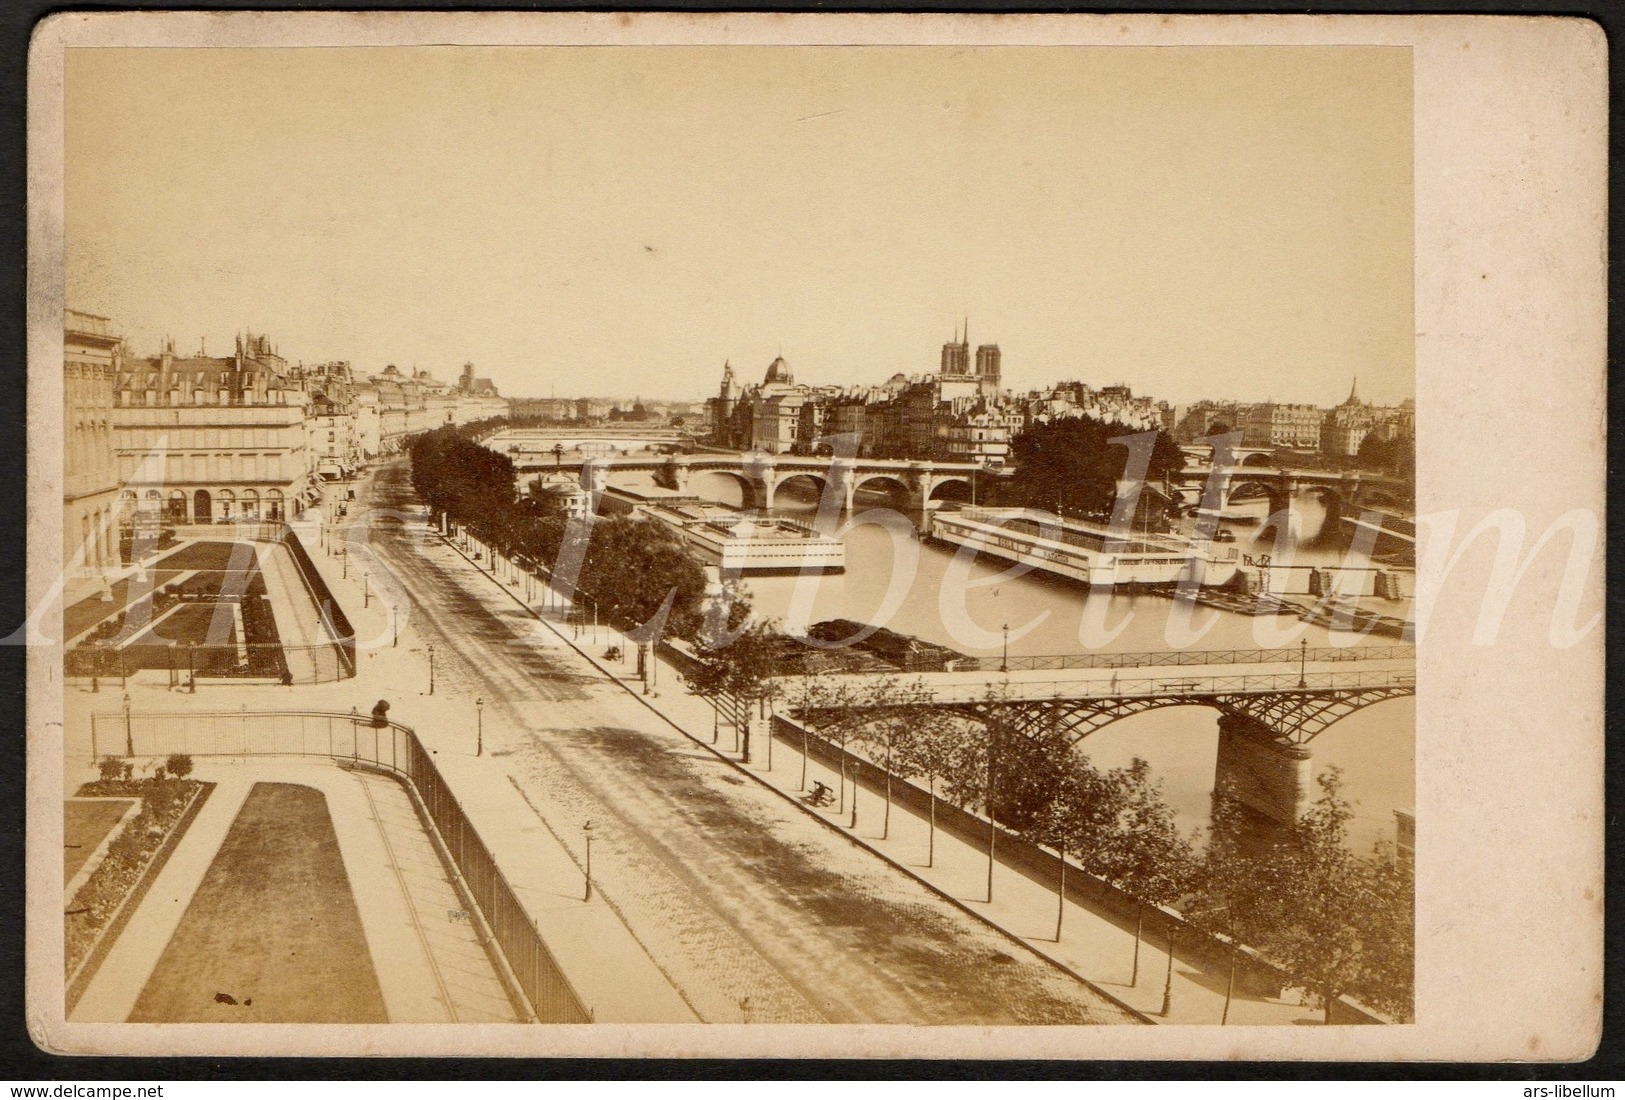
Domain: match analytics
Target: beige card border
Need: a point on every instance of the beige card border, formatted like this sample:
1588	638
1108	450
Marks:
1511	168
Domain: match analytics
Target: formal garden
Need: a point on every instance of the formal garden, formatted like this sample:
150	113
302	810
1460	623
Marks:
203	610
168	799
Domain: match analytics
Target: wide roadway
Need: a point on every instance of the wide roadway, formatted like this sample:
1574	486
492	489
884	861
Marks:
754	910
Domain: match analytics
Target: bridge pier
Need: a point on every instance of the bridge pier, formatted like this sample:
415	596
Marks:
672	475
1266	779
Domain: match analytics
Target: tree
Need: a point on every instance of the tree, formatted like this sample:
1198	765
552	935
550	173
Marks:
639	572
893	710
1031	764
839	708
1386	921
1141	850
1319	944
1397	456
930	747
1075	819
1071	465
743	671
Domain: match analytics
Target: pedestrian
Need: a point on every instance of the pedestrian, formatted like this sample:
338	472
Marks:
380	715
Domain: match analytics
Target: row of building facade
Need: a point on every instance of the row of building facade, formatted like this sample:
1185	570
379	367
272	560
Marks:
1337	432
172	439
961	413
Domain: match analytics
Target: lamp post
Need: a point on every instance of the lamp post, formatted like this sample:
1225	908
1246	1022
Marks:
479	727
394	625
1004	662
366	590
586	831
191	668
431	668
1303	656
344	562
129	738
95	666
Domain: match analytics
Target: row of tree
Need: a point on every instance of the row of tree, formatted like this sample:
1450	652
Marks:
631	572
1333	921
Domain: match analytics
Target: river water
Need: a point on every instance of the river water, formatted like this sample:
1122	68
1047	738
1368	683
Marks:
930	592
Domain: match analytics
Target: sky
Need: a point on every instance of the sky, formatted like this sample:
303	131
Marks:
1224	222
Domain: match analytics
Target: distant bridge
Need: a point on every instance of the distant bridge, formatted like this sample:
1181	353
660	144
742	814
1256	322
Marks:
1339	490
913	484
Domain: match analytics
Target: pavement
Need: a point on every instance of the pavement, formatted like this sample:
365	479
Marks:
431	964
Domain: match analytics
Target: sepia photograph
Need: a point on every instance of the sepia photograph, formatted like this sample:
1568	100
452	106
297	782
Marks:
916	534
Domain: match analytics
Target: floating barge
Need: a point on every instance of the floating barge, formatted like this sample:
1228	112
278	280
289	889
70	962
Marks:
1083	551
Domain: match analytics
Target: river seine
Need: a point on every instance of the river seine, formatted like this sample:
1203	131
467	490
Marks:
926	590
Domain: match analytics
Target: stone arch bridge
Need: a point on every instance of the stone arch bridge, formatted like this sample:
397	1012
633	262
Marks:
1340	491
913	485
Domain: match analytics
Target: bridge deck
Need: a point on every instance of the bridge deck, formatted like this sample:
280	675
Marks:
1137	681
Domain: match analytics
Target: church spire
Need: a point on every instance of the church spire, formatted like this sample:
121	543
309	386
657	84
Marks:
1354	392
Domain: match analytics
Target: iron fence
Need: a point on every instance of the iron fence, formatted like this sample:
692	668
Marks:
390	747
321	663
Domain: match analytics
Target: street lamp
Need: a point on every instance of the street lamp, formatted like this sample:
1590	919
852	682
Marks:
191	668
586	831
1303	656
1004	662
344	560
479	727
366	590
129	739
394	625
431	668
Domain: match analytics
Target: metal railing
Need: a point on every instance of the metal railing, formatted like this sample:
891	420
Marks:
1155	657
321	663
1165	657
922	693
390	747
